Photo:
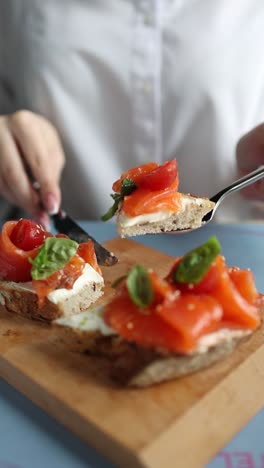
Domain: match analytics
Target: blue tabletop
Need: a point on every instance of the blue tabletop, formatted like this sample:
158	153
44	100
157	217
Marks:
29	438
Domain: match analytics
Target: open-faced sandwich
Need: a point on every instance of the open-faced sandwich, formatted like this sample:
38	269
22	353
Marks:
147	201
154	329
44	276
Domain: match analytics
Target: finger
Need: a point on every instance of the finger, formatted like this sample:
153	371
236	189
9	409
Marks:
43	219
254	191
15	185
4	192
250	150
51	200
43	154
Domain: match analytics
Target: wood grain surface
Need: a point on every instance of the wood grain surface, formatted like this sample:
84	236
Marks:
182	423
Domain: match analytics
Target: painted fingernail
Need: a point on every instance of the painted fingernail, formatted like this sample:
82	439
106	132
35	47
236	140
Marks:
43	219
50	202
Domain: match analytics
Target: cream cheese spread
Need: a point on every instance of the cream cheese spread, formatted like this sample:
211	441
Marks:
92	320
157	216
89	321
89	275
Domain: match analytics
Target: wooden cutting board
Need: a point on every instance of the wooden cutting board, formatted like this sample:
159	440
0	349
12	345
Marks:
180	423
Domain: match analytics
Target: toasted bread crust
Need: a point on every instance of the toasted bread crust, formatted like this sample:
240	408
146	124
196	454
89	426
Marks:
24	302
189	217
161	368
134	366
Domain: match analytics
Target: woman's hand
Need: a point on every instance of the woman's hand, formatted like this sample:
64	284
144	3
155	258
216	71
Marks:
250	155
27	139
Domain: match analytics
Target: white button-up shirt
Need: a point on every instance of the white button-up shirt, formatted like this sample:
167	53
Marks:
131	81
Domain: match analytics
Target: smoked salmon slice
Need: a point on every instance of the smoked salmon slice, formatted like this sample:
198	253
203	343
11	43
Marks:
14	264
145	329
245	284
63	278
178	315
236	308
87	252
136	174
191	316
143	201
66	277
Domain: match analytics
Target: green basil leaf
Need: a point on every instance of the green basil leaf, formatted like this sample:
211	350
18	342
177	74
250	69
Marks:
140	287
53	255
127	187
116	197
196	263
112	211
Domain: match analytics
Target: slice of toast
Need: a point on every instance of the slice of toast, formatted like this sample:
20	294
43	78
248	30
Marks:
189	217
132	365
20	298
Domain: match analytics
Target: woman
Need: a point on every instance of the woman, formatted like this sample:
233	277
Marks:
98	87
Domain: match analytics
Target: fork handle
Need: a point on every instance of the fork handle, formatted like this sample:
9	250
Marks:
239	184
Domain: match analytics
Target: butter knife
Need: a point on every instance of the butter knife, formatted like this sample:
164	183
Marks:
66	225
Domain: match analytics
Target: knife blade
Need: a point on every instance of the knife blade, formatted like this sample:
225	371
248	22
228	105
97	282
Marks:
66	225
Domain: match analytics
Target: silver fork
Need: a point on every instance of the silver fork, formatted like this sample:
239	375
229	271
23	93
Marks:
220	196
